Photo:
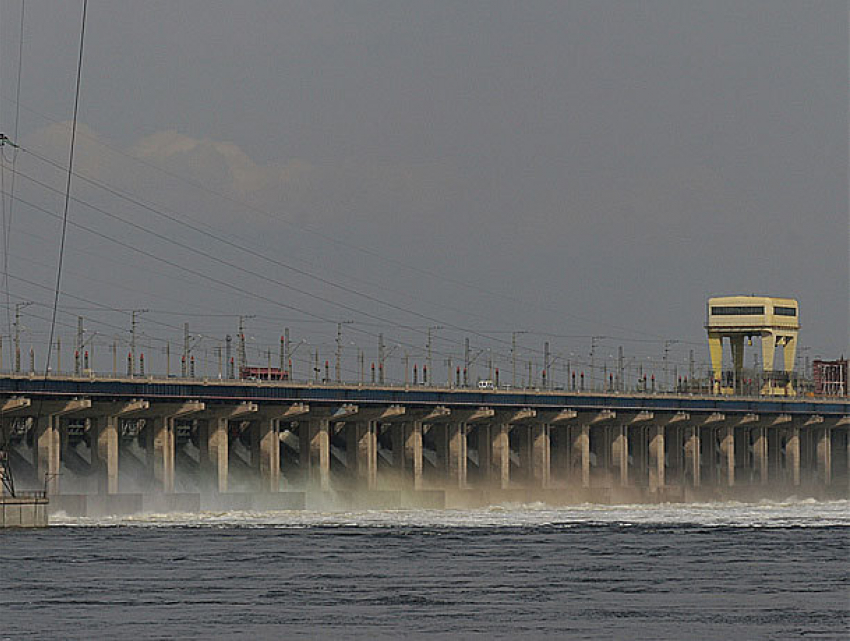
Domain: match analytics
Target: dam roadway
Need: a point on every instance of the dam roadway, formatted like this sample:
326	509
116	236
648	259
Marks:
123	444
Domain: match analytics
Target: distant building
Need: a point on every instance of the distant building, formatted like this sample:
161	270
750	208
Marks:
830	377
776	321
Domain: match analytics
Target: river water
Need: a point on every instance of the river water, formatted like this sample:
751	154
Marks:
733	571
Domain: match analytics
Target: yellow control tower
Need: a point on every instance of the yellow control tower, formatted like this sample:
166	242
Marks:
775	320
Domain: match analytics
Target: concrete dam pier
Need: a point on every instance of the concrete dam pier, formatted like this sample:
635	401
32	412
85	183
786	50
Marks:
101	447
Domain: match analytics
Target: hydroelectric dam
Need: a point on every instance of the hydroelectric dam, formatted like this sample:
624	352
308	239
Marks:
100	445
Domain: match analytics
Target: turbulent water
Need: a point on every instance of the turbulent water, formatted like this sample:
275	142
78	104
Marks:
770	570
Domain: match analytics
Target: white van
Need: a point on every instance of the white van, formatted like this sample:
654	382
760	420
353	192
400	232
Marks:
487	384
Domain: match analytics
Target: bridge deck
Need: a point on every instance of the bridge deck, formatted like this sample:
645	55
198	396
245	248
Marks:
218	391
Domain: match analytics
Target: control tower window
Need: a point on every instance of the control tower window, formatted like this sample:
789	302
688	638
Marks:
754	310
784	311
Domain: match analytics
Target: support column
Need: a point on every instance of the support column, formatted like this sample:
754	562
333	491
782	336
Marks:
268	437
715	348
501	448
219	451
367	454
737	344
789	352
824	456
656	458
640	450
485	454
457	454
580	458
727	455
710	449
319	452
600	445
620	453
47	448
541	455
760	454
792	454
106	448
413	449
164	452
692	455
159	438
768	349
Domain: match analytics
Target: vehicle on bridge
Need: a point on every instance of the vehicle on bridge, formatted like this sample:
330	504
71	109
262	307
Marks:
263	374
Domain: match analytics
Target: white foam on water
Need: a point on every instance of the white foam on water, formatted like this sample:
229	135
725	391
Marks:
789	513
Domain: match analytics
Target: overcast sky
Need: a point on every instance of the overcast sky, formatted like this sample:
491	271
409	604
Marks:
567	169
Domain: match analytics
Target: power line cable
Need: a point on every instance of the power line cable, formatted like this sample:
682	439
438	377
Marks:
228	263
277	218
181	219
68	183
247	250
7	217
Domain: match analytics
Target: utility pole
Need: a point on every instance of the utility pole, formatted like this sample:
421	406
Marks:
18	308
186	348
513	356
242	354
620	369
381	358
466	363
338	370
593	340
133	322
287	349
78	349
426	377
667	345
228	340
545	378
